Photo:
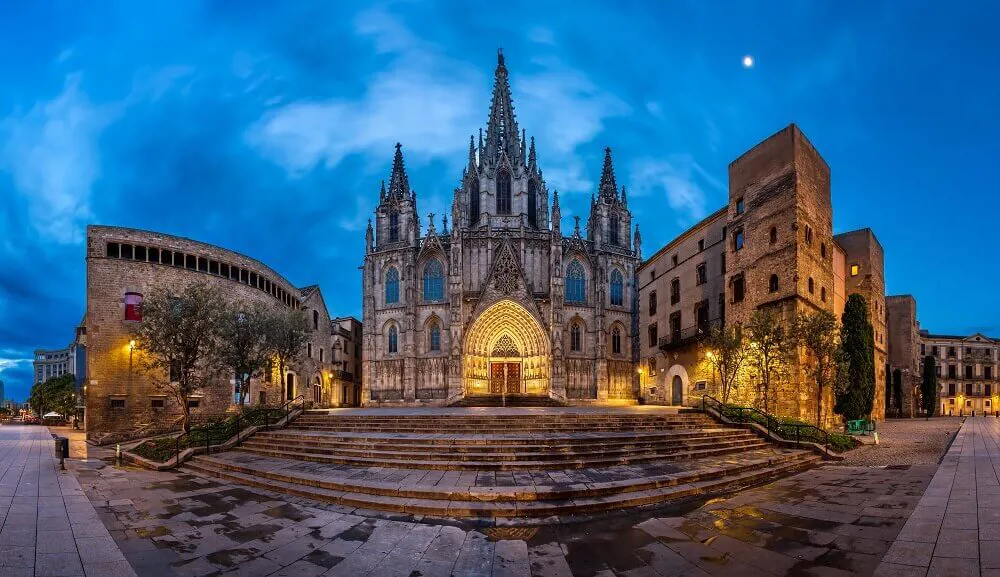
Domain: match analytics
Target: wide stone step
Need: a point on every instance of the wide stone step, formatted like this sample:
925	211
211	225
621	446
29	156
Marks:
512	503
494	464
504	452
486	430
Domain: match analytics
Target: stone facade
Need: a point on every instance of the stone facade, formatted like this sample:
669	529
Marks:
904	350
771	247
347	335
502	303
125	264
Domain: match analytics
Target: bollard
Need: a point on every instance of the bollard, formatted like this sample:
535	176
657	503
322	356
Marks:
118	454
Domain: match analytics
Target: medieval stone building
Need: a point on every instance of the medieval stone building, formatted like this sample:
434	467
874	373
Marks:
502	303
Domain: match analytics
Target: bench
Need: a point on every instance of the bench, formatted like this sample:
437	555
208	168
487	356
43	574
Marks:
860	427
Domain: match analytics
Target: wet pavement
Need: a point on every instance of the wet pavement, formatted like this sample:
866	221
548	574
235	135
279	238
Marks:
826	521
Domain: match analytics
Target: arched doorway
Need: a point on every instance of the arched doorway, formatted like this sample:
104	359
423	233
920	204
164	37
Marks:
290	386
677	391
317	390
506	352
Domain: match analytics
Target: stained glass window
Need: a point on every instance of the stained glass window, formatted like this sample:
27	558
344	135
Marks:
393	339
392	286
575	283
617	298
435	337
433	281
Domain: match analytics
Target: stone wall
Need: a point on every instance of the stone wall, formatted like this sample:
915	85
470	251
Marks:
904	348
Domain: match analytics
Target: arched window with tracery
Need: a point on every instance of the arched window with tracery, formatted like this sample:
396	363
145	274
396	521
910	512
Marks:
613	230
392	286
532	203
616	341
433	281
575	338
435	336
576	283
393	339
503	192
474	200
617	288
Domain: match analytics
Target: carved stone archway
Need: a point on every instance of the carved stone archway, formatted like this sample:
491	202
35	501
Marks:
506	352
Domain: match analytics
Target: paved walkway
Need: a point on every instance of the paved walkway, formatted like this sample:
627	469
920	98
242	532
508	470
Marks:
955	529
48	527
829	521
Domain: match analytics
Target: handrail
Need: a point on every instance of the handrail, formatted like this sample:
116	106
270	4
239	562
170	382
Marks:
772	424
223	428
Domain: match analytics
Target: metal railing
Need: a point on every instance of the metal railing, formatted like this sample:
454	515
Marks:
789	431
218	433
689	334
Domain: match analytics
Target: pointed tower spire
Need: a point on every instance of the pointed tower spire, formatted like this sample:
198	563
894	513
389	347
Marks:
381	194
608	189
576	226
624	197
637	243
532	160
524	138
501	131
472	153
444	224
556	213
399	183
369	237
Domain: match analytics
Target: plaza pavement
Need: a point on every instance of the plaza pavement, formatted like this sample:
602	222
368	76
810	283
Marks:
48	526
955	528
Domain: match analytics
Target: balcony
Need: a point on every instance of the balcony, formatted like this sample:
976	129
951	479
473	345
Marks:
342	376
688	335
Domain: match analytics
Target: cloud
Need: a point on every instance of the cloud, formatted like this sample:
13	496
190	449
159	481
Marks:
541	35
51	152
681	179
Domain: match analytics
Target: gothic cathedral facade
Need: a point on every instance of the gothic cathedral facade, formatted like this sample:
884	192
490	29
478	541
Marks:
502	304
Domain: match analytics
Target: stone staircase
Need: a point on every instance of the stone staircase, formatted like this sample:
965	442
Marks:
508	401
504	468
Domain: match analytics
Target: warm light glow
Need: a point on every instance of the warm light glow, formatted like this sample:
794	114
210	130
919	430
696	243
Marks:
640	370
131	344
747	61
710	355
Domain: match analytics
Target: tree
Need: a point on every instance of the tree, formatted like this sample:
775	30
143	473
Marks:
242	345
56	394
897	389
818	334
287	334
858	339
768	350
177	340
929	386
727	354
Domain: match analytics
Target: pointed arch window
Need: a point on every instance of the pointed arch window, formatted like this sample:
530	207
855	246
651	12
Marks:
613	230
503	192
393	227
392	286
616	341
575	338
532	203
435	336
474	201
617	289
393	339
433	281
576	283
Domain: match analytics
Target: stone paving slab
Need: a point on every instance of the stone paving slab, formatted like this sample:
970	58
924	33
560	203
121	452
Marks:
48	526
826	521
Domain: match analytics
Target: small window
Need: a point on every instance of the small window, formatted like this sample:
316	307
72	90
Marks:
157	403
822	250
674	259
114	250
652	303
575	338
194	403
739	205
309	350
315	320
774	234
738	288
811	286
393	340
822	294
701	274
855	269
133	307
117	403
738	239
652	334
154	255
809	234
675	291
699	386
772	284
701	245
616	341
435	337
140	253
321	354
127	251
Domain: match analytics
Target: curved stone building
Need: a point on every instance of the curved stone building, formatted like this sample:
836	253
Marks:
125	264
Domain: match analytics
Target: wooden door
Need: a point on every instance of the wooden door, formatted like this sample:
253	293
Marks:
513	378
497	378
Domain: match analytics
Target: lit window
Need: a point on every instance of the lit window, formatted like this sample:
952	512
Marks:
133	307
855	269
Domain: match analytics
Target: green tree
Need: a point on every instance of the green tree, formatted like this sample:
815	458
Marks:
929	386
242	344
287	334
177	341
56	394
727	354
858	339
769	345
818	334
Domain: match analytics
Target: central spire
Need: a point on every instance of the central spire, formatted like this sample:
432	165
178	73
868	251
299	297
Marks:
399	184
501	132
608	189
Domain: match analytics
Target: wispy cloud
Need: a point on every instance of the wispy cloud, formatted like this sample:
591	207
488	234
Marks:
680	179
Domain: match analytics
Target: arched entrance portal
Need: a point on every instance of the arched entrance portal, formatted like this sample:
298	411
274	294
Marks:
506	353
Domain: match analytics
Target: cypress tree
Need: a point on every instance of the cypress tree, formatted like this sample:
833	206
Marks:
858	339
929	386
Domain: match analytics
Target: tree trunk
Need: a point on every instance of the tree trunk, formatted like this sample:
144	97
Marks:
187	413
819	407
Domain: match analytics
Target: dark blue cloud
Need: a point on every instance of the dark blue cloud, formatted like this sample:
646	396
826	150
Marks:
266	129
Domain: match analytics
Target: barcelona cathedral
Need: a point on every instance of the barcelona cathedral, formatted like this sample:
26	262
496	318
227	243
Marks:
503	304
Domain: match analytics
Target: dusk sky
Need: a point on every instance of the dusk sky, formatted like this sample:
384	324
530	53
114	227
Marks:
266	129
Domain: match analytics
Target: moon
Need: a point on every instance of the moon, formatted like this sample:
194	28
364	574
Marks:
748	61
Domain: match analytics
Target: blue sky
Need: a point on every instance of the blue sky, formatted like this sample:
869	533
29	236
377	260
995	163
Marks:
266	129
